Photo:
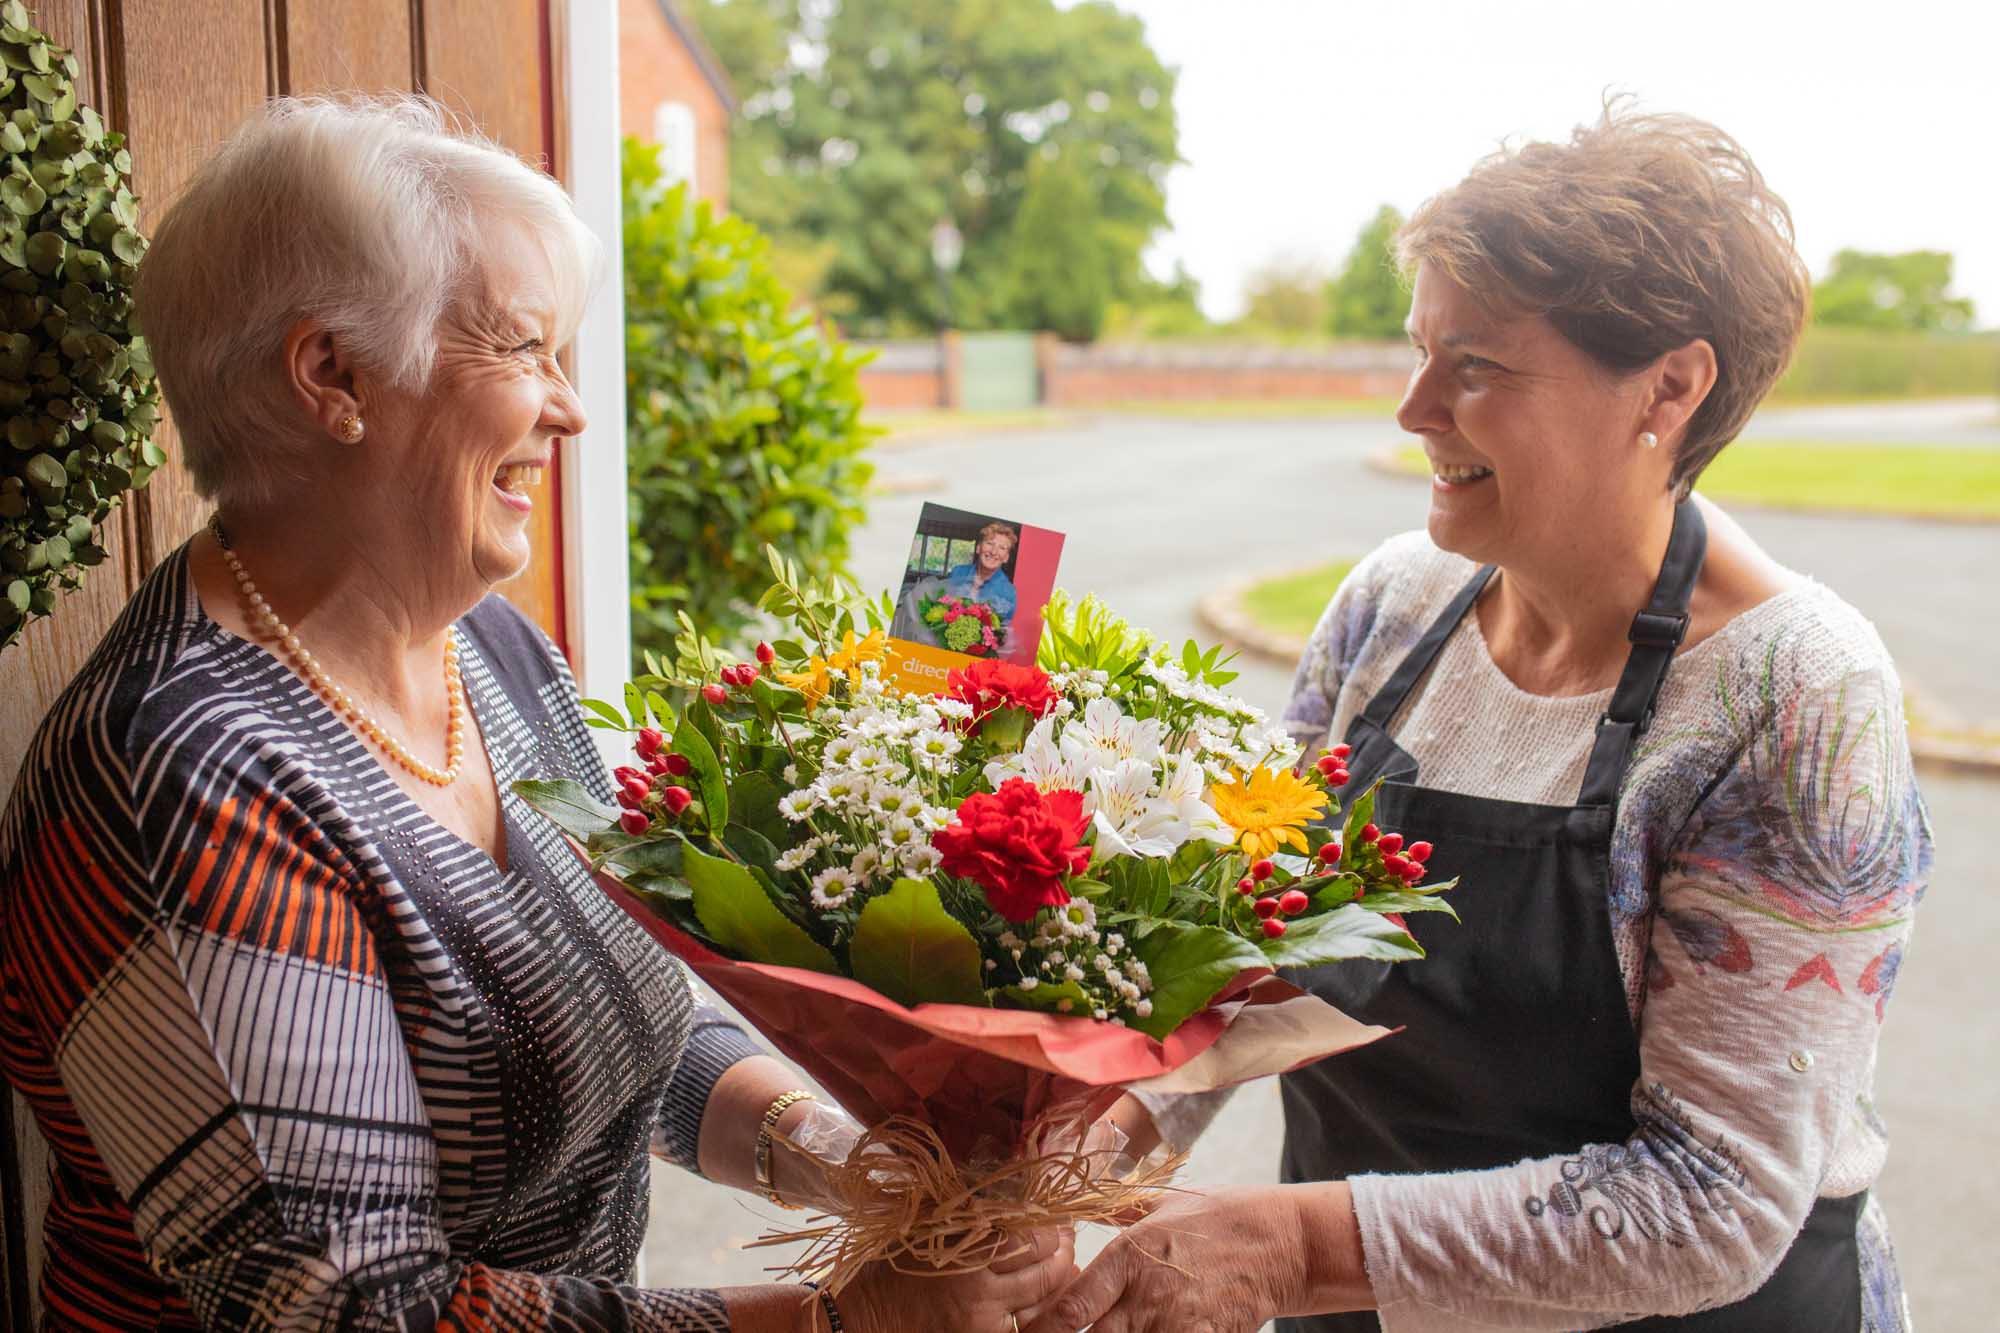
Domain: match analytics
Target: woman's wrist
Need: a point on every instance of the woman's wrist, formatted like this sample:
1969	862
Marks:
1333	1265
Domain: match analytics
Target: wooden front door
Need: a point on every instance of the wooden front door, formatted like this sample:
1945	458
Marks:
176	76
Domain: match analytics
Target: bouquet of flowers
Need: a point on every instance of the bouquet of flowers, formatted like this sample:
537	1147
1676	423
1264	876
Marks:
977	917
961	624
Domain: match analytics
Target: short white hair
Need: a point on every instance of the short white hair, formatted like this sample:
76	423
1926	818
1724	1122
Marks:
365	214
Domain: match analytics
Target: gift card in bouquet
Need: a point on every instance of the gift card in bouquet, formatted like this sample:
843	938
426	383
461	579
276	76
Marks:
975	586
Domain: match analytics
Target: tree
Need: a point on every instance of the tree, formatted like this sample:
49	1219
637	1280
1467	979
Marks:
867	122
1285	296
1369	298
1905	292
1060	276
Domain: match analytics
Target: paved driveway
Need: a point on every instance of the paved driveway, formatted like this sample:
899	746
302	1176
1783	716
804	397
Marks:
1160	511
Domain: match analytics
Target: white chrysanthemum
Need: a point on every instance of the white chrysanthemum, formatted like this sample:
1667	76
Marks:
797	806
866	864
791	775
920	859
839	787
839	750
793	857
956	709
833	887
1076	919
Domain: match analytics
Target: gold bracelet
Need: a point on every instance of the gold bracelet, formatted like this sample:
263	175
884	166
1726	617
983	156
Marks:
777	1108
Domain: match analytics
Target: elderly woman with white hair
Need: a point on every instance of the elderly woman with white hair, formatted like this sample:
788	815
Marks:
323	1028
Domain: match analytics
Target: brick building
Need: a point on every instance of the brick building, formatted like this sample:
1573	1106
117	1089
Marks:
674	92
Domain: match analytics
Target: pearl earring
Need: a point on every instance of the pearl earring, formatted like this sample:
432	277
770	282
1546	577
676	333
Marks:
1650	440
351	429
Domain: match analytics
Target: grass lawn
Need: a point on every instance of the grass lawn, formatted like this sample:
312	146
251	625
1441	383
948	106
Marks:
1292	603
1927	480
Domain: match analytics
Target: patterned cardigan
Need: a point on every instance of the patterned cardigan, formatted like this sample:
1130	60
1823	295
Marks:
303	1056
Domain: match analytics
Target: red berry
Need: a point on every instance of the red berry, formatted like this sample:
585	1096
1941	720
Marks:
1265	907
1338	778
650	740
746	675
1327	765
676	799
1330	853
1246	886
1273	928
1390	843
624	773
624	797
1293	901
657	764
1419	851
1394	864
766	653
1341	751
676	764
714	693
1261	870
1415	873
634	822
636	789
1369	833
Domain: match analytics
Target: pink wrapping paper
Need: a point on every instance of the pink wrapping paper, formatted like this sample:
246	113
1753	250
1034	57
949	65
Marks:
979	1076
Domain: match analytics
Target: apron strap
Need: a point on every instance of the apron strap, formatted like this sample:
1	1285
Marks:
1423	652
1657	631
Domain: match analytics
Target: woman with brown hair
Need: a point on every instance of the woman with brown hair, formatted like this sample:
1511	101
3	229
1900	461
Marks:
1633	1082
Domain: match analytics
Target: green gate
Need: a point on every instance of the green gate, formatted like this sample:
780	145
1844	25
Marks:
998	372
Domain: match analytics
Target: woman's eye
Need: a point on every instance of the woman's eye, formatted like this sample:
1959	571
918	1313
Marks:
532	345
1476	363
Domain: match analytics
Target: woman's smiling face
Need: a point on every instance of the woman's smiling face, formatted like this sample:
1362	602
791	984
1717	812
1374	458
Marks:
1531	443
994	548
490	419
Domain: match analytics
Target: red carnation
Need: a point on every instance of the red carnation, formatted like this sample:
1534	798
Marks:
990	685
1018	844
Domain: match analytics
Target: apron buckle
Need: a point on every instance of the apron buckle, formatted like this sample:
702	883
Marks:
1657	630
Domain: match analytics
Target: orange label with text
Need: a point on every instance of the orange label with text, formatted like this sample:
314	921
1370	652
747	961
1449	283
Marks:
918	668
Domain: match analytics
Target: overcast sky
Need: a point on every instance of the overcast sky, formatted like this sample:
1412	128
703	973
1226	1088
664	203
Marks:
1878	123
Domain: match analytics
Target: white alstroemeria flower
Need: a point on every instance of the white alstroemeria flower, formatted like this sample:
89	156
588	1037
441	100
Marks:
1129	820
1184	786
1106	729
1050	764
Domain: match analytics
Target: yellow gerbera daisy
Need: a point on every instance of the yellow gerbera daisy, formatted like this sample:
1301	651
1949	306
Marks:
1268	809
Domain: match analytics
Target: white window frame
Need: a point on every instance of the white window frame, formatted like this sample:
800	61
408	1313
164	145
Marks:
596	582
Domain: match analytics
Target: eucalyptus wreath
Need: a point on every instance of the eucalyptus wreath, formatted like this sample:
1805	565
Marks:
76	383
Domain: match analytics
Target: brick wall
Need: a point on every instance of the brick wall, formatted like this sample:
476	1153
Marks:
1082	376
911	373
657	63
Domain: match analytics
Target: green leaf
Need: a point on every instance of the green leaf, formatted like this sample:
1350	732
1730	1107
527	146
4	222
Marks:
753	803
742	919
1359	814
1340	935
706	773
568	805
1407	900
910	949
1047	997
1189	964
605	713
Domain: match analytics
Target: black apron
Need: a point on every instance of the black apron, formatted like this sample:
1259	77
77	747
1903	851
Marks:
1517	1041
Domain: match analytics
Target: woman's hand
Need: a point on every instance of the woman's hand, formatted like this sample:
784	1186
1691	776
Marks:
1223	1262
1004	1297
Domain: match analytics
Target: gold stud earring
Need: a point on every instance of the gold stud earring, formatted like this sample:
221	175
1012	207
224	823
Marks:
1650	440
351	429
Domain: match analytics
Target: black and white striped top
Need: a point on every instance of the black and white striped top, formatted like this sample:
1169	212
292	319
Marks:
303	1055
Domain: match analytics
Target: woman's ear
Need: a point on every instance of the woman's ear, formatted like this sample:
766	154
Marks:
321	377
1682	380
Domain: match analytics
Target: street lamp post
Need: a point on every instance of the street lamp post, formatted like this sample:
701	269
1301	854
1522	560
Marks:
947	248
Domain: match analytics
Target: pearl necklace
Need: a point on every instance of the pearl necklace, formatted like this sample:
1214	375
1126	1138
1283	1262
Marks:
344	704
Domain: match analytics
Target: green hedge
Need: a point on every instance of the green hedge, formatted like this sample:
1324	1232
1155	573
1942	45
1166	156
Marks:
1863	363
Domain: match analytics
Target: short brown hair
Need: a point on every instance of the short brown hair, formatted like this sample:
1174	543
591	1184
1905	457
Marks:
1639	235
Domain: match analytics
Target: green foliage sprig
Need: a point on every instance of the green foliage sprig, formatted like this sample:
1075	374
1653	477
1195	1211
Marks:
76	382
744	418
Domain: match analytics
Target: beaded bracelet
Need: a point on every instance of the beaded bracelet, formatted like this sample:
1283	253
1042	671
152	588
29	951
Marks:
826	1303
784	1103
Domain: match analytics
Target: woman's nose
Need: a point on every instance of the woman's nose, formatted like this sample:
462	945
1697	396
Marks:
563	414
1422	410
